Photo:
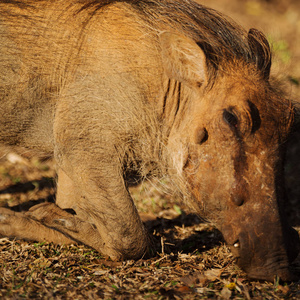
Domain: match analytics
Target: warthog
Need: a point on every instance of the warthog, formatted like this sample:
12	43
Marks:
157	87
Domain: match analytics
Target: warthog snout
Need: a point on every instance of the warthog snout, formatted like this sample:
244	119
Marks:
258	257
266	246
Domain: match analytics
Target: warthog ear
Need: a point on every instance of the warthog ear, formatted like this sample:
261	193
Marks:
260	50
183	59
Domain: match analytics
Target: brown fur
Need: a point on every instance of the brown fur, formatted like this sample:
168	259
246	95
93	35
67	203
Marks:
156	87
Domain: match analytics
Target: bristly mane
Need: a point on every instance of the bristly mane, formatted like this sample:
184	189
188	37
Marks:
219	37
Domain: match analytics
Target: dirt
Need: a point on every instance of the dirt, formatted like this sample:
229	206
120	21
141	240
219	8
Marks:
192	261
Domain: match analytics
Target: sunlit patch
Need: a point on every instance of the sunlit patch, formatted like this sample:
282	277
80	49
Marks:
236	245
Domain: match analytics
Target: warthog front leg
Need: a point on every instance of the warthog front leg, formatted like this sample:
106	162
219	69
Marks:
111	234
91	183
30	225
110	225
106	220
48	222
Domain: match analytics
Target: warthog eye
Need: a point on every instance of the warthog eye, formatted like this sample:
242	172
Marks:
201	136
230	118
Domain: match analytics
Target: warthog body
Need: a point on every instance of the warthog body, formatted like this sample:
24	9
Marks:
167	87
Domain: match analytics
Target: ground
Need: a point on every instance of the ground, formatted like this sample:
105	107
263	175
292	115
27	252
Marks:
192	261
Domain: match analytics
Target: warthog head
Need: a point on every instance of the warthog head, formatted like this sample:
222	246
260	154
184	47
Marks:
229	148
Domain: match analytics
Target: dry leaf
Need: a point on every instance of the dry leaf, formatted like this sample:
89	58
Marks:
225	293
212	274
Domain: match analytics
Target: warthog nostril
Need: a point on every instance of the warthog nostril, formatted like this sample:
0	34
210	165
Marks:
237	200
201	136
